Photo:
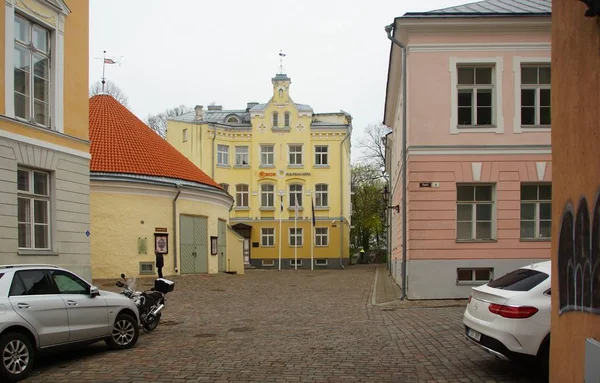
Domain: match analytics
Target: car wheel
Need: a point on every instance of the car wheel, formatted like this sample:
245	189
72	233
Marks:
124	334
17	356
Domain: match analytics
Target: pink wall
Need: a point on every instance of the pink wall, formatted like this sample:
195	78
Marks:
432	211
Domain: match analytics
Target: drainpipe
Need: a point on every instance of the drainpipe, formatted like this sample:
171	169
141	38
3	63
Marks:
175	225
342	200
404	169
213	151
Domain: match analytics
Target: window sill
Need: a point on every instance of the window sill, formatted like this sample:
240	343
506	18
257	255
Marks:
267	166
295	166
321	245
476	241
536	239
33	252
267	247
477	128
267	208
536	128
321	166
292	209
241	167
322	208
278	129
242	208
293	247
223	166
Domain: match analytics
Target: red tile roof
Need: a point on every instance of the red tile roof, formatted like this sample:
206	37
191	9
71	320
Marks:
122	143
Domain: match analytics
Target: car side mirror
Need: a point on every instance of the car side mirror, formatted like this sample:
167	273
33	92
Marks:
94	292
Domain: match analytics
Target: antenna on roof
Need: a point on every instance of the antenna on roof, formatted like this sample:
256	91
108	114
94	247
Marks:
281	56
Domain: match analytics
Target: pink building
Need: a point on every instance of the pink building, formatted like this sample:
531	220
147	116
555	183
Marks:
468	96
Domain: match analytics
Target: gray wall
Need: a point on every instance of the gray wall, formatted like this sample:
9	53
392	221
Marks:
70	206
436	279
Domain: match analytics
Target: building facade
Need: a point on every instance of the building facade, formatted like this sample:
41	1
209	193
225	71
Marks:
470	103
44	146
272	158
147	197
575	346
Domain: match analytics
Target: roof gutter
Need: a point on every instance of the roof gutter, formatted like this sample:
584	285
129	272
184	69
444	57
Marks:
213	151
175	226
342	218
403	170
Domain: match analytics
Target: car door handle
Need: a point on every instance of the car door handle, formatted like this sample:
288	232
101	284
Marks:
72	303
23	305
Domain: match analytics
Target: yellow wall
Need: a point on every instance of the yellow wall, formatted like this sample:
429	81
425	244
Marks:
235	251
118	220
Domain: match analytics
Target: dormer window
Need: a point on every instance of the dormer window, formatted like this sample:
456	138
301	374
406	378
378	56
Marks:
287	119
233	120
275	119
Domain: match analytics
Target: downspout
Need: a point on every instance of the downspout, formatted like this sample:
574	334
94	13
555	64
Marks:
213	151
175	226
342	200
404	169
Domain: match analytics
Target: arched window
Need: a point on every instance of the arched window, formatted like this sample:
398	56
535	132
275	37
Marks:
321	195
295	195
280	93
286	119
267	195
233	120
241	195
275	119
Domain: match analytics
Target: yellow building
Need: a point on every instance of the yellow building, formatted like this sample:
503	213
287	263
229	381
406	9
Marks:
147	197
268	156
44	147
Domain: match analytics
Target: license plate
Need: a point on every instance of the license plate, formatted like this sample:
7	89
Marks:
474	334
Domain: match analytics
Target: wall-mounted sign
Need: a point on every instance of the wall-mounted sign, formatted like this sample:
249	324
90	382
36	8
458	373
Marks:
266	174
297	174
424	184
160	229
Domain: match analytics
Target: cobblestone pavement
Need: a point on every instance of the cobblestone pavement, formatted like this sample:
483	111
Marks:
271	326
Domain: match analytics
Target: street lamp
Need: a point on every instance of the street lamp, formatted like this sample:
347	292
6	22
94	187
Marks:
386	198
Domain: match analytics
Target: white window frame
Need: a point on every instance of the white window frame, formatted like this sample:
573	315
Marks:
185	135
31	196
241	156
537	220
321	195
294	262
518	62
319	155
268	262
474	221
269	237
269	195
268	155
299	233
275	119
497	113
295	153
473	280
321	262
319	237
222	155
287	117
53	19
292	199
242	195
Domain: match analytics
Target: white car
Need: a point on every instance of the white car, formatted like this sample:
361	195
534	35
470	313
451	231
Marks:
45	307
509	317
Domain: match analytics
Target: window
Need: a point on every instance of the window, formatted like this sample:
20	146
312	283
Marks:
267	154
222	155
32	72
321	236
295	236
185	135
68	283
267	195
33	209
321	195
241	156
295	154
294	262
225	187
275	119
31	282
519	280
233	120
286	119
268	262
320	262
475	275
321	155
475	205
536	211
241	195
535	95
295	195
475	96
267	237
147	268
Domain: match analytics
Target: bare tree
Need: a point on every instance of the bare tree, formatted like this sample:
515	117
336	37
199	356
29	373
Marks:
112	89
158	122
373	150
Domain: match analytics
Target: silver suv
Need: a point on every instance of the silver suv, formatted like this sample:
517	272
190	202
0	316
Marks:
45	306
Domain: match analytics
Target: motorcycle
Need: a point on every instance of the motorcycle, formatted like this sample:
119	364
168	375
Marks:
149	303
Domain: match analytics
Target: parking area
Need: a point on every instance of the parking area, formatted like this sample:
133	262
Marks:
271	326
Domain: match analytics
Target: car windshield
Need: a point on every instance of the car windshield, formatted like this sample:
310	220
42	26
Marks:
519	280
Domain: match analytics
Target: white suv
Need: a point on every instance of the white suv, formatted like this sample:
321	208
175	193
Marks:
45	306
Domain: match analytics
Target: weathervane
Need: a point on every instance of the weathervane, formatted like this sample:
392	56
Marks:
281	56
105	61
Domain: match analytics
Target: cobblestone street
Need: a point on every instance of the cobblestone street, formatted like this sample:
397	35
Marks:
270	326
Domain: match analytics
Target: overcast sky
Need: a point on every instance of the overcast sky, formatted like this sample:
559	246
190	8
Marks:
196	52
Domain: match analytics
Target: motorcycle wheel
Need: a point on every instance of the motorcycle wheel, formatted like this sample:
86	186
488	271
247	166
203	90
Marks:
152	325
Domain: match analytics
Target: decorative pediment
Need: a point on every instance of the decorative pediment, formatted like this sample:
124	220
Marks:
59	5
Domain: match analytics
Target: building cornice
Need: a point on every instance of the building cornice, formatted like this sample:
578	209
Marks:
479	149
479	47
466	24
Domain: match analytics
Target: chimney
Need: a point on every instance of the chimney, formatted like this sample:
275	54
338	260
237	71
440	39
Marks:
215	107
250	105
199	112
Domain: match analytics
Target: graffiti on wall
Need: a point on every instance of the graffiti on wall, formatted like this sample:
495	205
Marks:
579	258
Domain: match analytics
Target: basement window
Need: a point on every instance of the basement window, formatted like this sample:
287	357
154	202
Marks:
146	267
268	262
294	263
474	276
320	262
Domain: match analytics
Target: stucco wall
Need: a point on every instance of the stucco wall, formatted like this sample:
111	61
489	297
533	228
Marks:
575	143
235	252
